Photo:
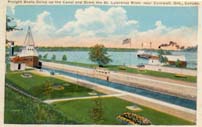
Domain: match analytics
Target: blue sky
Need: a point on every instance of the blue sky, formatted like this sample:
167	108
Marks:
107	22
147	16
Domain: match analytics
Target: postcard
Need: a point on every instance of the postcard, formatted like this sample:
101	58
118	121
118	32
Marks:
106	63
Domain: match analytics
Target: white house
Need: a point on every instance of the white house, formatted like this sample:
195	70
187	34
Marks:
175	57
17	66
172	59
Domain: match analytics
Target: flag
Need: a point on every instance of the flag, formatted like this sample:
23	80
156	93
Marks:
126	41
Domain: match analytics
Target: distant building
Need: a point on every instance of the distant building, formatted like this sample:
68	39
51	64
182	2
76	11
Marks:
172	59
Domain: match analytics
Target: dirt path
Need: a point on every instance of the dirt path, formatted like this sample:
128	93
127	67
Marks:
81	98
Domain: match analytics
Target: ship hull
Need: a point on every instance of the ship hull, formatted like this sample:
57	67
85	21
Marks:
31	61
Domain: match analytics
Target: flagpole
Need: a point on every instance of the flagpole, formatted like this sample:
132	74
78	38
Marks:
128	41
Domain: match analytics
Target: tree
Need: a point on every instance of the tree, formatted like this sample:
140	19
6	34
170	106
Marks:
163	59
97	111
40	56
45	56
47	88
98	54
178	63
10	26
64	57
53	57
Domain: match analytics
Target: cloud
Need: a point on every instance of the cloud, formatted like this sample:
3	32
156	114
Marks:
161	34
94	21
93	25
42	28
112	26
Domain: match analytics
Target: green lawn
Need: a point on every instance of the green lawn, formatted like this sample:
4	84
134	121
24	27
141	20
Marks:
26	110
132	70
80	110
23	110
153	73
72	63
36	86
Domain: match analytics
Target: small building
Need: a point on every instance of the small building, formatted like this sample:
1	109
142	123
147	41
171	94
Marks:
18	66
173	59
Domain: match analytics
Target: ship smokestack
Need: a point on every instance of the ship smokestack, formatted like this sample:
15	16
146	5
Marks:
12	49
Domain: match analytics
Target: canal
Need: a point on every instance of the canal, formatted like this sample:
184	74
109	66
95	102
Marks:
147	93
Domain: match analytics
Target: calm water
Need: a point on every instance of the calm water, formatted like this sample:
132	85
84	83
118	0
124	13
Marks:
151	94
119	58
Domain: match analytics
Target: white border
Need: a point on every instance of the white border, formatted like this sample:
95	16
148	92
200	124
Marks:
3	4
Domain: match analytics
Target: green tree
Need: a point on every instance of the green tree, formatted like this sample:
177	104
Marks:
64	57
47	88
45	56
97	111
163	59
40	56
53	57
177	64
98	54
10	24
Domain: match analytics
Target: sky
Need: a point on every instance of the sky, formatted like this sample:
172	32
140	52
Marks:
76	25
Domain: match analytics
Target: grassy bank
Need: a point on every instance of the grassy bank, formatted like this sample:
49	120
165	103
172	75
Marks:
113	107
27	110
152	73
43	87
131	70
23	110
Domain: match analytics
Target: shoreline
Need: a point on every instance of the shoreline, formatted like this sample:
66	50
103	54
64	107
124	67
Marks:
44	48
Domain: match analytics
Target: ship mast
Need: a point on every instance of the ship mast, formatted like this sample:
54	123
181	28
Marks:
29	41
